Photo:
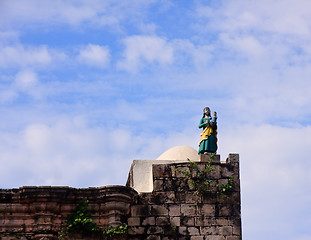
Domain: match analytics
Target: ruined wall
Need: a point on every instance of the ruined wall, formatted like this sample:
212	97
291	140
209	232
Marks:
174	211
40	212
171	211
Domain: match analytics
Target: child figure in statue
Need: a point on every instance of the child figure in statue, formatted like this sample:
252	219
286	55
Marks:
208	141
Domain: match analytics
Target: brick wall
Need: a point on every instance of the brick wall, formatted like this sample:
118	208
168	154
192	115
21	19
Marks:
40	212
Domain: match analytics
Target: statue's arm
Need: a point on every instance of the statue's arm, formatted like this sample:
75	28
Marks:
203	123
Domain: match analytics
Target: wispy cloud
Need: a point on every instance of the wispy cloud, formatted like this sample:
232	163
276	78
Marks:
95	55
72	13
149	49
20	56
26	79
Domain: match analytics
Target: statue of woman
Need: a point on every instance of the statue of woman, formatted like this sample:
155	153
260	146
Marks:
208	141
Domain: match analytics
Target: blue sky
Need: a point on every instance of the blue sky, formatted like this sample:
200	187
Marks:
88	86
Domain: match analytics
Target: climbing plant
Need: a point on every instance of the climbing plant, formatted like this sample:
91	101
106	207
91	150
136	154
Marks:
81	222
114	231
200	181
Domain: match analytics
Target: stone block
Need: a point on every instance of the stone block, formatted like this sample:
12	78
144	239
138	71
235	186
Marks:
199	221
158	185
188	210
236	230
207	210
164	197
233	158
182	185
161	171
192	198
222	221
187	221
140	210
210	198
207	158
208	230
149	221
225	230
174	210
181	169
225	211
205	221
196	238
133	221
136	230
182	230
161	221
153	237
170	185
158	210
216	173
226	172
175	221
181	197
193	231
232	198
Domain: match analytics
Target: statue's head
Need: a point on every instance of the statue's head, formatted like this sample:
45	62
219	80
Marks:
206	112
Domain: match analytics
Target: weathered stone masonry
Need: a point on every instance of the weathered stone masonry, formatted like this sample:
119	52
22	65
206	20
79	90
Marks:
171	211
40	212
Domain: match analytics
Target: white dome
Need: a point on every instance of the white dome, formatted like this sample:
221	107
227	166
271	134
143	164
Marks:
180	153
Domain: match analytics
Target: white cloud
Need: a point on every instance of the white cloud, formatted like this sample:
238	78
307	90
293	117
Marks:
20	56
26	79
187	52
284	17
71	12
46	13
142	50
272	32
275	173
95	55
248	45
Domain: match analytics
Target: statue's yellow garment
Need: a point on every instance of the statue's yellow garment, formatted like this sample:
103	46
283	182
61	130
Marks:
206	133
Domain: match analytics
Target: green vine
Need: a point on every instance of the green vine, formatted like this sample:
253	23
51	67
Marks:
200	180
227	188
81	222
113	231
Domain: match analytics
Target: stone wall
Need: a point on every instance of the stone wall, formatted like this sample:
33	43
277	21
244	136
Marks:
40	212
174	211
171	211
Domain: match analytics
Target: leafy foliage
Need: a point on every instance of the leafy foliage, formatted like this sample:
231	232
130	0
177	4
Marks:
226	188
81	222
113	231
200	180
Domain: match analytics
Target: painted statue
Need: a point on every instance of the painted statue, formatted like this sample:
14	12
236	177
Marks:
208	141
